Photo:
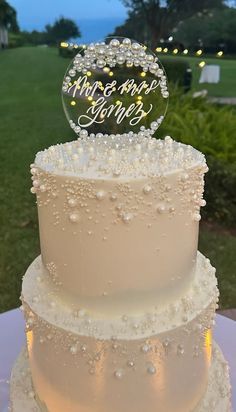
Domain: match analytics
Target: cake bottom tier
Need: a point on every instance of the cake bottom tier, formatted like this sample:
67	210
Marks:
83	362
216	398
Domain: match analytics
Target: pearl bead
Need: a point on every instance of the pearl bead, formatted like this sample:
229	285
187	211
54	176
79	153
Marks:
196	217
151	369
119	374
100	195
150	58
153	67
73	349
161	209
114	43
76	129
113	197
43	188
166	343
145	348
120	59
127	217
159	72
136	47
147	189
72	72
83	348
130	364
30	321
72	202
83	133
101	63
184	177
36	183
126	42
180	350
154	125
202	202
116	173
74	217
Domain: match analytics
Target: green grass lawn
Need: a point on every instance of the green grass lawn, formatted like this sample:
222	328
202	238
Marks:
32	118
227	85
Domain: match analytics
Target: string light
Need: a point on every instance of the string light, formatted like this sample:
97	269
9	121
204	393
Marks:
165	50
175	51
63	44
73	103
185	51
220	53
111	73
159	49
199	52
142	74
202	64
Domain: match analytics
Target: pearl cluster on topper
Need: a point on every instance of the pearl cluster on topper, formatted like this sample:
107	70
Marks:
117	52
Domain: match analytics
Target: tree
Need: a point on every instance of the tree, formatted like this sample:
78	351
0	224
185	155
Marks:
160	17
62	29
8	18
217	30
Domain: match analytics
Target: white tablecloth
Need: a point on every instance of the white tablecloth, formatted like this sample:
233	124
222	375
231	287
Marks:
210	74
12	338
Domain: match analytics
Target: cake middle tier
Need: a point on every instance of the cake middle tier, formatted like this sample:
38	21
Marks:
120	238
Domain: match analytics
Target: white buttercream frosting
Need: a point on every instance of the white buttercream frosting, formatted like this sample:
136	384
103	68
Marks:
38	293
118	156
216	398
125	212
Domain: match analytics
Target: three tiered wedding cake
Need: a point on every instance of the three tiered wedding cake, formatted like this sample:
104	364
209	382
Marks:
119	307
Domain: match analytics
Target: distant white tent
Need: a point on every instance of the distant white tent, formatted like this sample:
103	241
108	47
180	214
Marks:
210	74
3	37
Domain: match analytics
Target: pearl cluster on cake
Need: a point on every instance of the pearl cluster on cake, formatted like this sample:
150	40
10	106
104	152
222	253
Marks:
116	156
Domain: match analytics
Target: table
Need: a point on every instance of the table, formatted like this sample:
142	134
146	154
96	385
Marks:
12	338
210	74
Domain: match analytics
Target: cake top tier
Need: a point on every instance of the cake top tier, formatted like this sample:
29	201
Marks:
118	156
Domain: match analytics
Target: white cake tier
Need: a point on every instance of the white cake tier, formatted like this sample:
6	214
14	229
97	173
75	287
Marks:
215	399
119	219
157	360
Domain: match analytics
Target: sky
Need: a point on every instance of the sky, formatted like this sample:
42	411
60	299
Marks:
95	18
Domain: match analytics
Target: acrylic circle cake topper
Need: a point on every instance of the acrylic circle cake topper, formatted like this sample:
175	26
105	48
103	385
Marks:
115	87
